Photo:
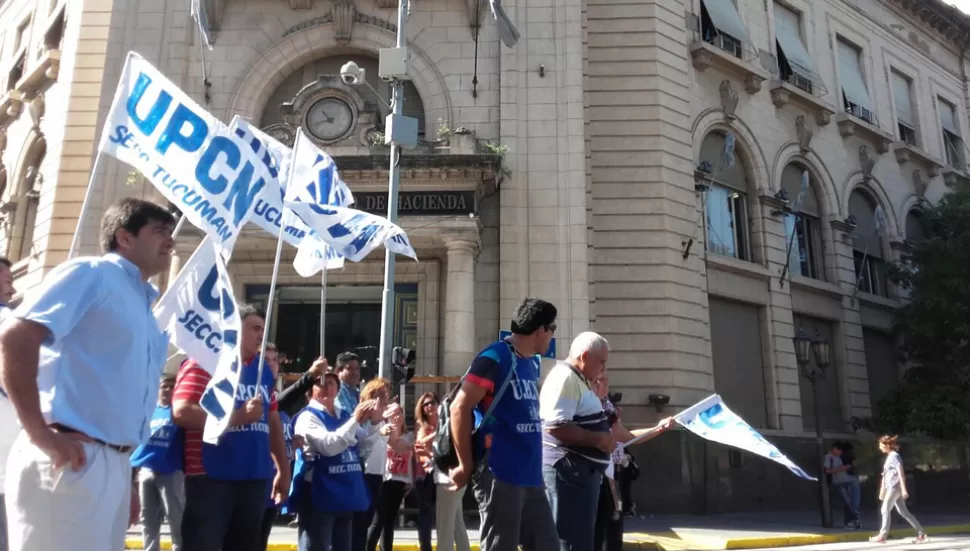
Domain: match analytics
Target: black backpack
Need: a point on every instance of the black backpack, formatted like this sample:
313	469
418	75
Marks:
443	445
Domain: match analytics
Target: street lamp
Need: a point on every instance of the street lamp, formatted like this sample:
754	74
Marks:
805	349
398	131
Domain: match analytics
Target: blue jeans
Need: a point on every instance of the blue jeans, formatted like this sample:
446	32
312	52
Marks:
573	489
319	531
3	523
851	493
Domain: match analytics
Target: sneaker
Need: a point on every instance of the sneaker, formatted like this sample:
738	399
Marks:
921	538
877	539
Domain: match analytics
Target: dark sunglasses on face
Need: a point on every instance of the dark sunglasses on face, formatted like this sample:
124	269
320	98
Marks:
551	328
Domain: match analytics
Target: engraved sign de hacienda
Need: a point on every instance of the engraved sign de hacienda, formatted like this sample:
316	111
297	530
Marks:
417	203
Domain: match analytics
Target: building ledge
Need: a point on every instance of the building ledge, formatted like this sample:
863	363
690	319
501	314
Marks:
910	153
817	286
783	93
11	105
716	262
705	56
953	177
43	72
854	126
878	301
777	205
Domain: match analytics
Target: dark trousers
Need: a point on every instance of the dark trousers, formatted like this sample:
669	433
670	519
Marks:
608	532
624	483
382	528
319	531
425	491
268	517
363	519
223	514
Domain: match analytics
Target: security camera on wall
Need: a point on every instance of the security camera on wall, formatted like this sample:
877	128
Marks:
352	74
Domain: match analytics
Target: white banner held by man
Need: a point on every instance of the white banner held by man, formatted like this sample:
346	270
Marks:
194	160
712	420
197	307
314	186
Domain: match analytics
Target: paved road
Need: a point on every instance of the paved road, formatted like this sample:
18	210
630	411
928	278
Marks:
942	543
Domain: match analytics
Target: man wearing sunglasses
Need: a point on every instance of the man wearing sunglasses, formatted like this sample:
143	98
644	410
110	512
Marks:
504	458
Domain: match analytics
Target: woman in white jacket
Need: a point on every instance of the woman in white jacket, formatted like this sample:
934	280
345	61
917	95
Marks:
892	491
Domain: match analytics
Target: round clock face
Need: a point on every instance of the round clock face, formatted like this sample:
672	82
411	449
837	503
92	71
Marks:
329	119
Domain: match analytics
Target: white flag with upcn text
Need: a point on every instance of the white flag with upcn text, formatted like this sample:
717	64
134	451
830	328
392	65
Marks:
315	186
193	159
712	420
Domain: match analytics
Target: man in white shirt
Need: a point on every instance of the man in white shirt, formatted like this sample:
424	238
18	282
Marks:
9	425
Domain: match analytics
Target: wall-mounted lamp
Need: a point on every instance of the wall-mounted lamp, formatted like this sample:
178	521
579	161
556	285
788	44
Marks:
658	401
542	71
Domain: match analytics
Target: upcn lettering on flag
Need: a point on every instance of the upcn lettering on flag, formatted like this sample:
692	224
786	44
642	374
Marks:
198	308
207	171
314	186
712	420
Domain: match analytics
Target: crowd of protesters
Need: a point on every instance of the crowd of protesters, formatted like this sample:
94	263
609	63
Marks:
107	440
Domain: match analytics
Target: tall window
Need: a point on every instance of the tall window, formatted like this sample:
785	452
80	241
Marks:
905	113
802	228
914	227
855	93
867	245
952	142
795	64
721	25
726	213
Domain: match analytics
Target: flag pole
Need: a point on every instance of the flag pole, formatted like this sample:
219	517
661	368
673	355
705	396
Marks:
323	310
269	304
76	241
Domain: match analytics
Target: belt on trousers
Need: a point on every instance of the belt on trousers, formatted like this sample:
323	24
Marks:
68	430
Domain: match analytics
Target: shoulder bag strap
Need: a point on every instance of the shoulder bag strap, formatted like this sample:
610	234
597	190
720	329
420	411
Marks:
501	390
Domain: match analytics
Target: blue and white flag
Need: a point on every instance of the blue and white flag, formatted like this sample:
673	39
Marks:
712	420
268	212
314	187
506	29
198	309
194	160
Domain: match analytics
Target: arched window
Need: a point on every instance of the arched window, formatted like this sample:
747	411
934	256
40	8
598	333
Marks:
914	227
27	200
867	245
803	227
726	212
291	85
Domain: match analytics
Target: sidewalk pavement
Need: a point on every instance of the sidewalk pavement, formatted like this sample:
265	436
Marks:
687	533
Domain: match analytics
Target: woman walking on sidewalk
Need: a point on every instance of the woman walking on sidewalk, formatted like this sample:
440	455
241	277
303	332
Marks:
892	491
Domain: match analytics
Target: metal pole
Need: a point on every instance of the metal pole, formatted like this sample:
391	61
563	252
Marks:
323	311
823	483
269	308
387	302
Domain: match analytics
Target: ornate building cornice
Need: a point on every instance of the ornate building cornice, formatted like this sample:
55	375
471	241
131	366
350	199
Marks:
949	21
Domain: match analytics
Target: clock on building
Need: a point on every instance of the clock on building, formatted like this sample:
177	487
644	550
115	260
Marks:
329	119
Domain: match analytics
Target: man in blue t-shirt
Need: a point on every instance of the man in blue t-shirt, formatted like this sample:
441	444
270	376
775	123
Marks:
160	477
504	459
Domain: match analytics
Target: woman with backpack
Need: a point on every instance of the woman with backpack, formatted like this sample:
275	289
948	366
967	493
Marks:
451	529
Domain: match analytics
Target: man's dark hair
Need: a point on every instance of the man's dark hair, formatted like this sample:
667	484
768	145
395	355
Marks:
132	215
531	315
345	358
4	261
246	310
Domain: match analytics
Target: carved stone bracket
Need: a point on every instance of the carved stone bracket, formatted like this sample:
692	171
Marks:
920	184
804	133
328	19
343	20
729	99
37	108
866	162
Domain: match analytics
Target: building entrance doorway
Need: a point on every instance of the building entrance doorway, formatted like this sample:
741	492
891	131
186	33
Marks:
353	319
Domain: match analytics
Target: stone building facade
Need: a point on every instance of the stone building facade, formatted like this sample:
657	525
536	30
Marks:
576	166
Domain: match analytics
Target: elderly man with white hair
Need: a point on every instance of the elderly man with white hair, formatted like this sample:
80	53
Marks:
576	440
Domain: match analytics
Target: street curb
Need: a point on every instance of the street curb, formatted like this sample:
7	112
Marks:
669	541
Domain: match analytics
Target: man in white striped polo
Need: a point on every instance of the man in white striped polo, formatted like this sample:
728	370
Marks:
576	440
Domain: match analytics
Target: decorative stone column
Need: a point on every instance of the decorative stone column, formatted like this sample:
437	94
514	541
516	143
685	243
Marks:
459	306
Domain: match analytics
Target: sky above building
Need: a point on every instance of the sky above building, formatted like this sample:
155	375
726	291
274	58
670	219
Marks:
962	4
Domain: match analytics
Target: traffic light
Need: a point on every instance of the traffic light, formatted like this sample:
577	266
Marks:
402	361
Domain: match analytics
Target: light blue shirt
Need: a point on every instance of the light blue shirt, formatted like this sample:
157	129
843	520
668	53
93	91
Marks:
347	398
100	366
